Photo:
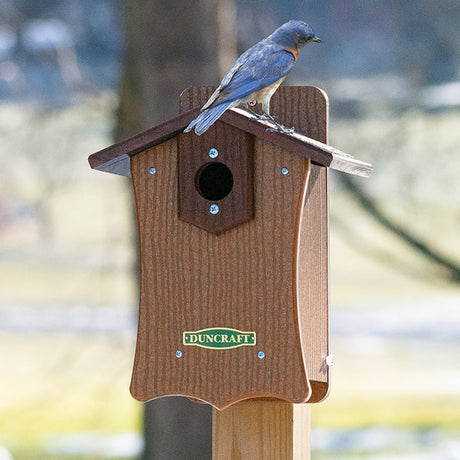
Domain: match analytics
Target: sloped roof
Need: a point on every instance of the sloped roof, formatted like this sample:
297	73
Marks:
115	159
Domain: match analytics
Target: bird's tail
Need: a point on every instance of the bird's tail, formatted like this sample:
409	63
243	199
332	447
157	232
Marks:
207	117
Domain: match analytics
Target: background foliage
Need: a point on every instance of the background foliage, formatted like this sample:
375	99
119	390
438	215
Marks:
68	292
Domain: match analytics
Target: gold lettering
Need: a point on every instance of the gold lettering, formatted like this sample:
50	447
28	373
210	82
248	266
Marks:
219	338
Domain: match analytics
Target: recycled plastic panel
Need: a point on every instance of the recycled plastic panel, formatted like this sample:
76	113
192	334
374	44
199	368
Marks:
249	278
243	279
306	109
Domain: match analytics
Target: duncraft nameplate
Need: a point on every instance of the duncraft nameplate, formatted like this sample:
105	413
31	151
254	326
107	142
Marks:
219	338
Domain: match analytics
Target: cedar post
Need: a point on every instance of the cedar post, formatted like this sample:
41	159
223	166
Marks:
262	431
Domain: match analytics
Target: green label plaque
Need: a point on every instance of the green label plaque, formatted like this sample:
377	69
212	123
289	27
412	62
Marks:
219	338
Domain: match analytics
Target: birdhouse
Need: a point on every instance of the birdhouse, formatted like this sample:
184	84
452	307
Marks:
233	232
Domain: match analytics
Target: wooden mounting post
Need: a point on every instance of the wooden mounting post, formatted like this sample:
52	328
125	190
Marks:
262	431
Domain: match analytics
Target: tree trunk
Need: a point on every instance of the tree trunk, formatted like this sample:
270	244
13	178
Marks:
171	45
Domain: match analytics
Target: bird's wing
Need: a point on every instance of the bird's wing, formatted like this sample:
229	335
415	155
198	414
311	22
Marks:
260	66
227	78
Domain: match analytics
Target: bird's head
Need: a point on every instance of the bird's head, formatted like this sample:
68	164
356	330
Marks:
294	34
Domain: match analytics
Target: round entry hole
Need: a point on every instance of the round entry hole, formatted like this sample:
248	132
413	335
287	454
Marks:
214	181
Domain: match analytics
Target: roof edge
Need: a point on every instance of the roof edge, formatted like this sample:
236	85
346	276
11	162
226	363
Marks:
115	159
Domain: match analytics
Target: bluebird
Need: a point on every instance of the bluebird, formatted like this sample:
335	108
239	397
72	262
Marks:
256	75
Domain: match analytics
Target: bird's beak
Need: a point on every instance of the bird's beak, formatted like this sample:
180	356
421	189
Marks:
317	40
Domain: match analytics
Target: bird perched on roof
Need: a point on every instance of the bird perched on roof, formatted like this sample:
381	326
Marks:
256	75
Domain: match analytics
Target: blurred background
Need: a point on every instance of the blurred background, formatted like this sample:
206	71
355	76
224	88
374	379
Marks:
76	76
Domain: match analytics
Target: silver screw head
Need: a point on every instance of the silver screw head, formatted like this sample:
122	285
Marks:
178	354
214	209
284	171
261	355
213	153
152	170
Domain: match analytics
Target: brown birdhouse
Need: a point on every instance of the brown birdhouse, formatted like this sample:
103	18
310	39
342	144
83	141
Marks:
233	231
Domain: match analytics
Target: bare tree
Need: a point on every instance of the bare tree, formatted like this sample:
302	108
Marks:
451	268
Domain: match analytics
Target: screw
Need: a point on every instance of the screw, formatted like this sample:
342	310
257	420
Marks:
214	209
284	171
213	153
178	354
261	355
152	170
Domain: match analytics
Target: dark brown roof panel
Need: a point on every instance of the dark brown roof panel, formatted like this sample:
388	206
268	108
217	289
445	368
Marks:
115	159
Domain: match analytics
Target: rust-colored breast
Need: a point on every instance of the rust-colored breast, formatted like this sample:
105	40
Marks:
294	51
266	93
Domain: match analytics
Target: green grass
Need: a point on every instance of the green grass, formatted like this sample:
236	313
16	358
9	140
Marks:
61	383
27	454
408	412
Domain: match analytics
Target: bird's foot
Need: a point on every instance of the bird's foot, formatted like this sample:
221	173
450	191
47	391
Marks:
290	130
258	116
266	117
281	129
278	128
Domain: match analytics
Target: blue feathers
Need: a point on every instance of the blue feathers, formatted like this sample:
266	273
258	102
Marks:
206	118
261	67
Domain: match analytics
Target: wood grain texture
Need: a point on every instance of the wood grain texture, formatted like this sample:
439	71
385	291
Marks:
243	279
310	116
306	108
268	431
235	151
